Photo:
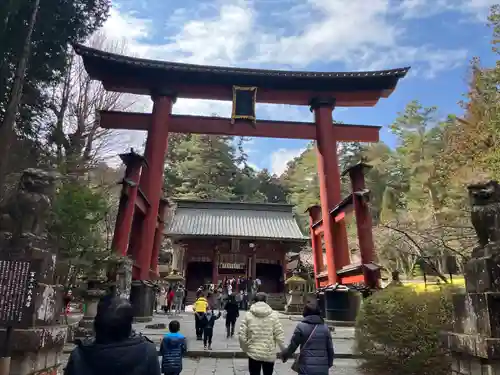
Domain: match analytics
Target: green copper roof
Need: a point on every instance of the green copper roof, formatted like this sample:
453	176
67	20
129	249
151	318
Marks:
234	219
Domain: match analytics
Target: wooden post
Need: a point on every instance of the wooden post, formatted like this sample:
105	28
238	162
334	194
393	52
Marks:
158	236
362	211
254	263
317	249
335	234
215	267
363	220
130	185
152	177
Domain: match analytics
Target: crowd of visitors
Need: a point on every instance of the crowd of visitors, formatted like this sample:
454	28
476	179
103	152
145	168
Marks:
116	348
171	299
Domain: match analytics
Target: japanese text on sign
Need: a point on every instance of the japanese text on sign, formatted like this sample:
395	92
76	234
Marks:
17	285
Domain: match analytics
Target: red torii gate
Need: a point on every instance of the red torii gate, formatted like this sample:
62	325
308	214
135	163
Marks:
140	217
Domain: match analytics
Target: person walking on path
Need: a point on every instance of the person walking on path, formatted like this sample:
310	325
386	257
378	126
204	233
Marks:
232	314
200	310
170	298
208	328
315	341
115	349
179	296
260	332
172	349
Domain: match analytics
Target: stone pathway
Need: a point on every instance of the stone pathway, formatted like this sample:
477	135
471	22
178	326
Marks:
231	362
206	366
343	337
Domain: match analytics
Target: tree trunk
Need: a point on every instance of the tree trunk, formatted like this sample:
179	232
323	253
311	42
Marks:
7	127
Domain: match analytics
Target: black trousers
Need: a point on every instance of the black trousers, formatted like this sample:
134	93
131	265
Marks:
207	336
230	327
199	324
255	366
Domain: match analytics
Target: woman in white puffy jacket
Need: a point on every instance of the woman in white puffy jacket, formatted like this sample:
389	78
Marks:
260	332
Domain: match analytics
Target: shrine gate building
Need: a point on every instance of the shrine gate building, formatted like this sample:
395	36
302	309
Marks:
214	240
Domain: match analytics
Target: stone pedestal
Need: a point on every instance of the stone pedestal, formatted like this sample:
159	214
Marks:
91	299
295	302
37	335
124	278
119	275
475	341
142	298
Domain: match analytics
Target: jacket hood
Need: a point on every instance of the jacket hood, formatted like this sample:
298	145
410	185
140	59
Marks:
313	319
261	309
115	358
202	299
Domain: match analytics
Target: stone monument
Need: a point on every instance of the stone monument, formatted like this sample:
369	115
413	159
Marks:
474	343
31	308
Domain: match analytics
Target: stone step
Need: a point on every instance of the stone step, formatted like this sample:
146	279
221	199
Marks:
220	353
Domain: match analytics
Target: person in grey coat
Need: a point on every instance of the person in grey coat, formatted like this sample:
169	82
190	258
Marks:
316	346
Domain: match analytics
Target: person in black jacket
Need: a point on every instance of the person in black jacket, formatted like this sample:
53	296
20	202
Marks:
232	314
172	348
315	341
115	349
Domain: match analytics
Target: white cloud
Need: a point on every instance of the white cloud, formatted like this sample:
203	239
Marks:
127	27
214	41
281	157
427	8
436	60
254	167
358	33
324	30
337	36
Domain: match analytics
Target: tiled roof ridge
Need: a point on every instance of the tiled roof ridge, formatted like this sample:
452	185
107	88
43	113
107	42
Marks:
88	51
232	205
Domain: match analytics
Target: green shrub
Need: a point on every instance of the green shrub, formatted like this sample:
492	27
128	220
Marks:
397	332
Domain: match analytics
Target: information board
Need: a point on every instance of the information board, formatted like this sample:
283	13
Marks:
18	281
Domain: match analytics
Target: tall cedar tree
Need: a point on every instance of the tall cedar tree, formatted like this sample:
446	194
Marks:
58	23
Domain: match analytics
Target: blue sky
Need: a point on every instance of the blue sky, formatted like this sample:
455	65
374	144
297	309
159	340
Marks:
437	38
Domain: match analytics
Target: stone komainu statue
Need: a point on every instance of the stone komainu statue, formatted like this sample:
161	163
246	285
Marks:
27	210
485	215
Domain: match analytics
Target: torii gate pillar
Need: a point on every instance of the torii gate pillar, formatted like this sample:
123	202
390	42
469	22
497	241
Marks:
152	177
335	234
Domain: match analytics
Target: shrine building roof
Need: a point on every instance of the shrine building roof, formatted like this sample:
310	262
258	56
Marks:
142	76
192	218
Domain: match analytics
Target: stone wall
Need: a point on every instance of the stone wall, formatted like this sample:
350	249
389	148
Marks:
474	343
468	365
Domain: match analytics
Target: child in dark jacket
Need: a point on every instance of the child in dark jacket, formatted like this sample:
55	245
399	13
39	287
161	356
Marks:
208	329
172	348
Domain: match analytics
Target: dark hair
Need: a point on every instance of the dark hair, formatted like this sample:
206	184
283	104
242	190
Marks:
113	321
260	297
311	309
174	326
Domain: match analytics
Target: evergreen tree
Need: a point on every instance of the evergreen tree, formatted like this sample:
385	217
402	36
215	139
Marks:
207	169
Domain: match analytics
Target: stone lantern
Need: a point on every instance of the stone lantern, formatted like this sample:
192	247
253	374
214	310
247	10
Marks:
295	299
